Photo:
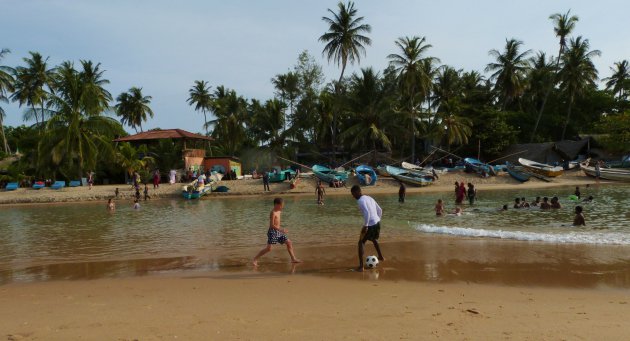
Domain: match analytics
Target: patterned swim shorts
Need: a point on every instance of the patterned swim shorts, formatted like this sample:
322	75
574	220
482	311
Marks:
276	237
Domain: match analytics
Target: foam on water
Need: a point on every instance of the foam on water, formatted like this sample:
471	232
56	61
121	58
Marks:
571	237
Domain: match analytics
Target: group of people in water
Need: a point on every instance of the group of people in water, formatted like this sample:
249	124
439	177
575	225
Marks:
543	203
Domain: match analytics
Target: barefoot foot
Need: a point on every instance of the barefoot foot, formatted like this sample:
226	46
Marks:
255	262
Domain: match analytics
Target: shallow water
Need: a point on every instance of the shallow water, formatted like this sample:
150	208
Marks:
68	241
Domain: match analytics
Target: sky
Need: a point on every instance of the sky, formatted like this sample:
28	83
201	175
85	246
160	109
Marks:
164	46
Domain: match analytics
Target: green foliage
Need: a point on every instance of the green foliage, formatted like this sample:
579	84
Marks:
616	128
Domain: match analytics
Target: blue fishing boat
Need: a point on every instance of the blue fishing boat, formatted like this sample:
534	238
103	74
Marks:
366	174
479	166
409	177
516	173
328	175
280	175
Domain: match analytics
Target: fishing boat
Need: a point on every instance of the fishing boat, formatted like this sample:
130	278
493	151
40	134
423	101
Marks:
409	177
363	173
328	175
190	191
194	191
382	171
517	173
280	175
541	168
479	166
617	174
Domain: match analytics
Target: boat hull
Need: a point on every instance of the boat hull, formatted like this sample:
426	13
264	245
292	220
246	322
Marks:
540	168
607	173
328	175
412	180
517	174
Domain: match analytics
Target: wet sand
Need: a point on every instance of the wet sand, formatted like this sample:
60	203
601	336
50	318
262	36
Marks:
435	259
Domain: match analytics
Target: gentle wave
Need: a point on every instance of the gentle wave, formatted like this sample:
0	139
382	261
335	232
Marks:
573	237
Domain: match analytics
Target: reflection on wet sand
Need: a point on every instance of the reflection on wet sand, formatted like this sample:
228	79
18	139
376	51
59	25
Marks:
442	260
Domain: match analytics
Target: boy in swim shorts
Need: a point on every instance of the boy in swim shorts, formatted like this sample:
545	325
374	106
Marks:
276	234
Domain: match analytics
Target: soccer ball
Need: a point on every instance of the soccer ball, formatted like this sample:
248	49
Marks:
371	262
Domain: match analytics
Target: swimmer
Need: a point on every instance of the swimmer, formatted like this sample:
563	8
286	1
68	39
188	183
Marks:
111	205
545	204
555	203
457	212
504	208
524	203
517	203
439	208
589	199
536	203
579	217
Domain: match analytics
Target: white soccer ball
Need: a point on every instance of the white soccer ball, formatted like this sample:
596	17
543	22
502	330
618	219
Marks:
371	262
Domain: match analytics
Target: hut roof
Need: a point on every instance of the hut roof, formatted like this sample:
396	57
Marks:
160	134
547	152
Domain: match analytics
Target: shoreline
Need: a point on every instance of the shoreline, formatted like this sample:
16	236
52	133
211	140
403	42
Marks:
252	188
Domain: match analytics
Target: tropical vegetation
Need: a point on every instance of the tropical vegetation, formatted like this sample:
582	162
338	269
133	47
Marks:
522	95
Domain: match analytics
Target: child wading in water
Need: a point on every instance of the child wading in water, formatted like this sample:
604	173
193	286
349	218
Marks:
276	234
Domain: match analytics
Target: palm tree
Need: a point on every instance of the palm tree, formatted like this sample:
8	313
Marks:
619	81
415	74
6	86
345	42
540	76
563	26
371	118
201	97
578	73
128	157
231	121
77	131
509	70
133	108
33	85
287	88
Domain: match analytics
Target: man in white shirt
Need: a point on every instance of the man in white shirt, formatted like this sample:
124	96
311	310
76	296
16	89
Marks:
371	229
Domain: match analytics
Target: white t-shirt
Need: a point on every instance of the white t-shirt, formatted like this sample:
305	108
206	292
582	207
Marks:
372	212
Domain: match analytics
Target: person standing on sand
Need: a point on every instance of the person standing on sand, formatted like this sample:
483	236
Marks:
90	179
276	234
371	229
402	192
156	179
265	179
116	192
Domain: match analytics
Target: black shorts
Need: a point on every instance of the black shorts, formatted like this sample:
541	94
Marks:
372	232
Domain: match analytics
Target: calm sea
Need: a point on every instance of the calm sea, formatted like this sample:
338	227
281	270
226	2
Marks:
37	241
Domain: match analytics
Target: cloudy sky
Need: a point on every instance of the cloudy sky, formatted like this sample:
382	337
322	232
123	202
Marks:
164	46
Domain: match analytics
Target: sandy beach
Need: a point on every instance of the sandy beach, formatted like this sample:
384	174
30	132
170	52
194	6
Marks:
248	306
305	187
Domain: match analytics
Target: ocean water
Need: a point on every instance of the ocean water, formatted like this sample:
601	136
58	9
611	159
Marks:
36	241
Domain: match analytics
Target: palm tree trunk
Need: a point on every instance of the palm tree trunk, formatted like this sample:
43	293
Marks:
566	122
205	120
334	132
7	150
544	103
35	114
